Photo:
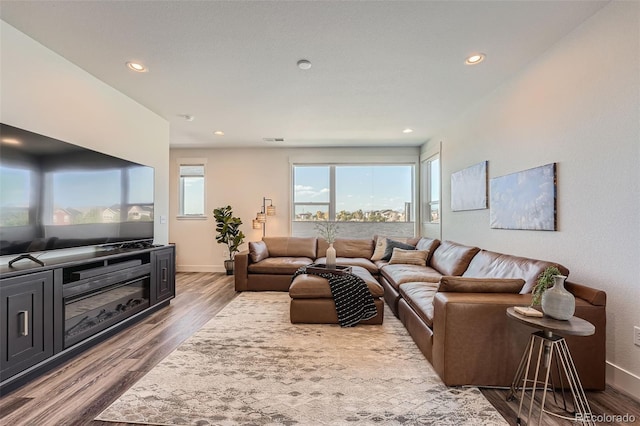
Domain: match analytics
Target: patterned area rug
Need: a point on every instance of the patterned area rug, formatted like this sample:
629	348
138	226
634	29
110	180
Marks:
249	365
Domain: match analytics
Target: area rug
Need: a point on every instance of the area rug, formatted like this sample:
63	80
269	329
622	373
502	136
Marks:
249	365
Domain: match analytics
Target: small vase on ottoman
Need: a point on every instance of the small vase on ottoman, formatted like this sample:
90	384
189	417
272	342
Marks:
328	231
557	302
331	257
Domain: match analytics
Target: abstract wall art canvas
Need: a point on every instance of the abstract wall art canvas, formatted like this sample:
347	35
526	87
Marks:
524	200
469	188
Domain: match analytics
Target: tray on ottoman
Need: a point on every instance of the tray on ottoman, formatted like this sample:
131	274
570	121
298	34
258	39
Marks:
321	267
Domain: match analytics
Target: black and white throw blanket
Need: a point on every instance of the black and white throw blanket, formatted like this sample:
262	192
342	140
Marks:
351	295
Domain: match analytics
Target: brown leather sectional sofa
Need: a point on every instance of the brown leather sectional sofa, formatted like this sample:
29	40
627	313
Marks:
454	307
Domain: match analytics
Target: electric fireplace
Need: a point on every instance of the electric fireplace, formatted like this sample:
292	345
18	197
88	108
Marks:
89	309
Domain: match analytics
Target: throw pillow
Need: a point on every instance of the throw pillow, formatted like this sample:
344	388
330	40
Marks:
453	284
378	251
381	245
258	251
410	257
391	244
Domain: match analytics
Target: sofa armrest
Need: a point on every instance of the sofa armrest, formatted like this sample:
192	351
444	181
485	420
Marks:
591	295
241	270
474	342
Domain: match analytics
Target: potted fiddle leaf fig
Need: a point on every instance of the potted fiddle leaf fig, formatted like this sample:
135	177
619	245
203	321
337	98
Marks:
228	233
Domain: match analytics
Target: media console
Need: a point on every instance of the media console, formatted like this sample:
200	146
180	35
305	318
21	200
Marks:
50	313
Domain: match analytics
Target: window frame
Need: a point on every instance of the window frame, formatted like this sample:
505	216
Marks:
181	192
332	208
312	203
427	193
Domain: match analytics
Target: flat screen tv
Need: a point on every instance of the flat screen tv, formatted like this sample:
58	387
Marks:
56	195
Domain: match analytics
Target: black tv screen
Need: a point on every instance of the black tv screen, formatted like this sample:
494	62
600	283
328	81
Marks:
57	195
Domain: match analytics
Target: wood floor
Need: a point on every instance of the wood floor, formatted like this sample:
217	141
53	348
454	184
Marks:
76	392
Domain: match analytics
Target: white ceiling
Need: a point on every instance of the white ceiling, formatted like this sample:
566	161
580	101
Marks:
378	67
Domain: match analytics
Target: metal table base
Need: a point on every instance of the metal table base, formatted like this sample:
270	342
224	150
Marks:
550	349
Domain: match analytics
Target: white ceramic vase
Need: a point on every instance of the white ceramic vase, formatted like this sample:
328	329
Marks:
557	302
331	257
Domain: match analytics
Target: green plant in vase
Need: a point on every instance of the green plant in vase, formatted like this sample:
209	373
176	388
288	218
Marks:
545	281
228	233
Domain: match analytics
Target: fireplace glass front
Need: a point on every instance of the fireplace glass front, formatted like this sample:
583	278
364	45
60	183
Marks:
88	313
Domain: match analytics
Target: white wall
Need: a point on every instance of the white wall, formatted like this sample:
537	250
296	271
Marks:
44	93
577	105
240	178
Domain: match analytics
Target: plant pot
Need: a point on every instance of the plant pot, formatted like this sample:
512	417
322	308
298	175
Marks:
557	302
228	265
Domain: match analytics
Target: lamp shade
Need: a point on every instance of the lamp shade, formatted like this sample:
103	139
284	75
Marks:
271	210
261	217
256	224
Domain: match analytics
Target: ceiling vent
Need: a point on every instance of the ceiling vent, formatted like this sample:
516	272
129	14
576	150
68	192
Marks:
273	139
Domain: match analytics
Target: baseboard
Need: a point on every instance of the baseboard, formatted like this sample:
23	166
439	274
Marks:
199	268
623	380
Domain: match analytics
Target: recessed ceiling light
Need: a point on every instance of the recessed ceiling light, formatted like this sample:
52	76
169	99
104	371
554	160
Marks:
10	141
218	133
137	67
475	59
304	64
407	130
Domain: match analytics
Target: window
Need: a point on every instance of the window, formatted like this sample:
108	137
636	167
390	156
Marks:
431	190
311	193
355	196
191	190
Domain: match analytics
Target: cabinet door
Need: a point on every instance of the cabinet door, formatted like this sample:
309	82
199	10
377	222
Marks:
163	285
26	321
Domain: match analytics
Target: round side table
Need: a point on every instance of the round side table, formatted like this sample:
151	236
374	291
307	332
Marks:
551	348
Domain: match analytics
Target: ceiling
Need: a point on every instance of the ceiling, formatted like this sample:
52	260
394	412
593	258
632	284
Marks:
377	67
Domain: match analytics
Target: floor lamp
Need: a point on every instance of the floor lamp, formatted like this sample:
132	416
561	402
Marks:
261	217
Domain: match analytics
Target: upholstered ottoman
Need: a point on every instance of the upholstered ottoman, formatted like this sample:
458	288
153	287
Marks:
312	302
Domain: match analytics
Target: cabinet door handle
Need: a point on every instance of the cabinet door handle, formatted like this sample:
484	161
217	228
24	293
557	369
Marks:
24	324
164	274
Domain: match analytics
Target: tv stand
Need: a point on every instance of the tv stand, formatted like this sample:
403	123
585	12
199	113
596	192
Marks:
25	256
51	313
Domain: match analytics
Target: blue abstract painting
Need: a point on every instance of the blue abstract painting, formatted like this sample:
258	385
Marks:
524	200
469	188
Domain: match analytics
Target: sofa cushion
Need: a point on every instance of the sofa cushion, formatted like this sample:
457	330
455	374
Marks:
480	285
401	273
491	264
410	257
282	265
309	286
348	247
392	244
258	251
353	261
452	258
291	246
381	263
425	243
419	296
429	244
